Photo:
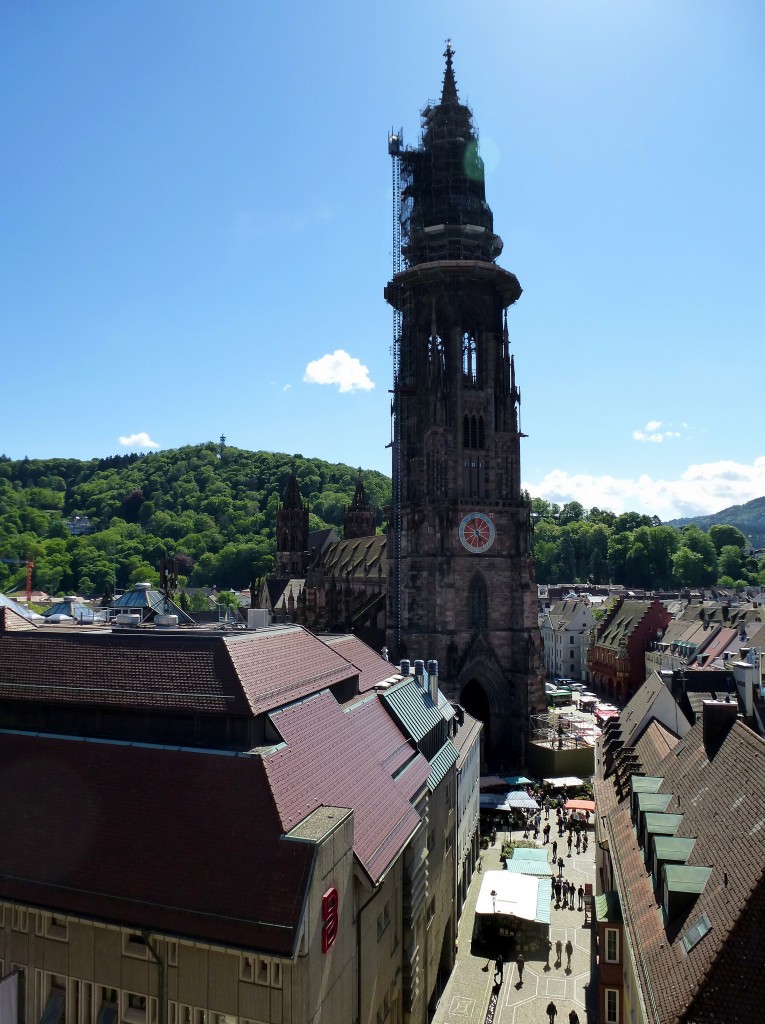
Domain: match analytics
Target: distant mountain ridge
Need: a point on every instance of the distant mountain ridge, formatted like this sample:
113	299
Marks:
749	518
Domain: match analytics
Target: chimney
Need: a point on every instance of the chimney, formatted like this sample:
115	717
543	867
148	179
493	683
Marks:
719	716
419	671
433	676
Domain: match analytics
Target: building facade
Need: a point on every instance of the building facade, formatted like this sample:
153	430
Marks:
221	828
563	631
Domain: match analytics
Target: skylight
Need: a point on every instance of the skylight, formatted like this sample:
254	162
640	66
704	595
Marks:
695	933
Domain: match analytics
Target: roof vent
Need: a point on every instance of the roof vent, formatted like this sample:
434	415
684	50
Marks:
166	620
127	619
142	586
406	667
419	670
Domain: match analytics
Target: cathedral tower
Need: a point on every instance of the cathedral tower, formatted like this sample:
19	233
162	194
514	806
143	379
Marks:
359	520
292	531
461	586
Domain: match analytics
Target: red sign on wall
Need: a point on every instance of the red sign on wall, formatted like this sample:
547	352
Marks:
329	907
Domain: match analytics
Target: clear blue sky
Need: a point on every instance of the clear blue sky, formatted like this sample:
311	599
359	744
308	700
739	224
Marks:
195	205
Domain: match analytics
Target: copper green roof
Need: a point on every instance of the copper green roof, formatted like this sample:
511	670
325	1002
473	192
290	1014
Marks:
441	763
608	909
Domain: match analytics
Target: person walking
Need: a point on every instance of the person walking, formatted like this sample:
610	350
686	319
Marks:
580	894
546	832
558	952
571	894
560	867
565	891
552	1012
573	1017
584	843
520	963
554	850
569	954
499	969
570	844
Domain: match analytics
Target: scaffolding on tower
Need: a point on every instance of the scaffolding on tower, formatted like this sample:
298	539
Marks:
394	149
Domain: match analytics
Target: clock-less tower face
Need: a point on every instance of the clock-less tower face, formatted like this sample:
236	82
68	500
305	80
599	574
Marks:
477	532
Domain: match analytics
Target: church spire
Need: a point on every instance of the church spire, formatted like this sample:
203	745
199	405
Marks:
449	90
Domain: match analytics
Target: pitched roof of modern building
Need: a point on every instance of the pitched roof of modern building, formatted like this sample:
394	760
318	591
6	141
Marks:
11	619
243	673
184	842
371	666
717	792
352	756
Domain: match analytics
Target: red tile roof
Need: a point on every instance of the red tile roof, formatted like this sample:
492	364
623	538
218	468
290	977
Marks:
346	758
276	666
372	668
182	842
722	800
233	674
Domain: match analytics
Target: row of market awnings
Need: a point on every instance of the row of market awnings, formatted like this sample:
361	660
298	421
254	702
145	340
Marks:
517	800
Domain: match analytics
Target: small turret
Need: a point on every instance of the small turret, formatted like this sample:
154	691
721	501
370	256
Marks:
360	515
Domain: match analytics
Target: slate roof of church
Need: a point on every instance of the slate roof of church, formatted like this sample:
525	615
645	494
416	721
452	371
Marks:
184	842
720	794
361	557
348	757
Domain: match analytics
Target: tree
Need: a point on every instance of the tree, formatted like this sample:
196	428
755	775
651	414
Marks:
722	536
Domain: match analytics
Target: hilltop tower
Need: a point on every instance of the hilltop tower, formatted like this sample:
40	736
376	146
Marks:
461	585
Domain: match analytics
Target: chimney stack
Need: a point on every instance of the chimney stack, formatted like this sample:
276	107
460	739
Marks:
719	716
419	671
433	676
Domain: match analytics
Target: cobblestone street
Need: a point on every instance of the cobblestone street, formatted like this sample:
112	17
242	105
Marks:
468	992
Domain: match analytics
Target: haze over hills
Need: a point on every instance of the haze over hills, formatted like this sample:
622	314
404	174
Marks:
749	518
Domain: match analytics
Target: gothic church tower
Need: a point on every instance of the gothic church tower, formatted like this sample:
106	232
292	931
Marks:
462	588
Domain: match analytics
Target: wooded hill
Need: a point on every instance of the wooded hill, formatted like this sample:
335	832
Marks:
210	505
213	507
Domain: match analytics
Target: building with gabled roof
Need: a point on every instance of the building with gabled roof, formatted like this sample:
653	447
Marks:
563	629
678	916
219	824
616	648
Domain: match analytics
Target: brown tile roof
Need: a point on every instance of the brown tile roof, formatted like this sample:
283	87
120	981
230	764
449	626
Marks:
169	672
347	758
183	842
11	620
722	801
372	668
235	674
279	665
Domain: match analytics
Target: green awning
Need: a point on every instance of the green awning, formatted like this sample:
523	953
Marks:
608	908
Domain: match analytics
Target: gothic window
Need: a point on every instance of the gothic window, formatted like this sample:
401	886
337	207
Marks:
481	433
469	359
466	431
477	603
436	353
473	432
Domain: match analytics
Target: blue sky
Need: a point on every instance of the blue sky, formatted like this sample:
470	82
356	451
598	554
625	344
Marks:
195	208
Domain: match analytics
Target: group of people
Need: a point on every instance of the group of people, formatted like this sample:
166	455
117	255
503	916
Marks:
565	893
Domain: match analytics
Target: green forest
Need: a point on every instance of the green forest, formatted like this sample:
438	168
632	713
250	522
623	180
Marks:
213	508
210	506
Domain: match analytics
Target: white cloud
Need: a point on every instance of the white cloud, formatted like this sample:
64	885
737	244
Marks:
141	440
287	387
339	368
653	434
700	490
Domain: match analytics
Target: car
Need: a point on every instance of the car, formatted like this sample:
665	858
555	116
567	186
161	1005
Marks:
579	687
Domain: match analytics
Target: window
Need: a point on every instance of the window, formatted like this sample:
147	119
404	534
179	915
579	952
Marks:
477	603
612	1006
56	927
246	969
261	971
19	919
431	912
612	946
134	944
55	1006
384	1008
383	919
276	974
172	953
134	1008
